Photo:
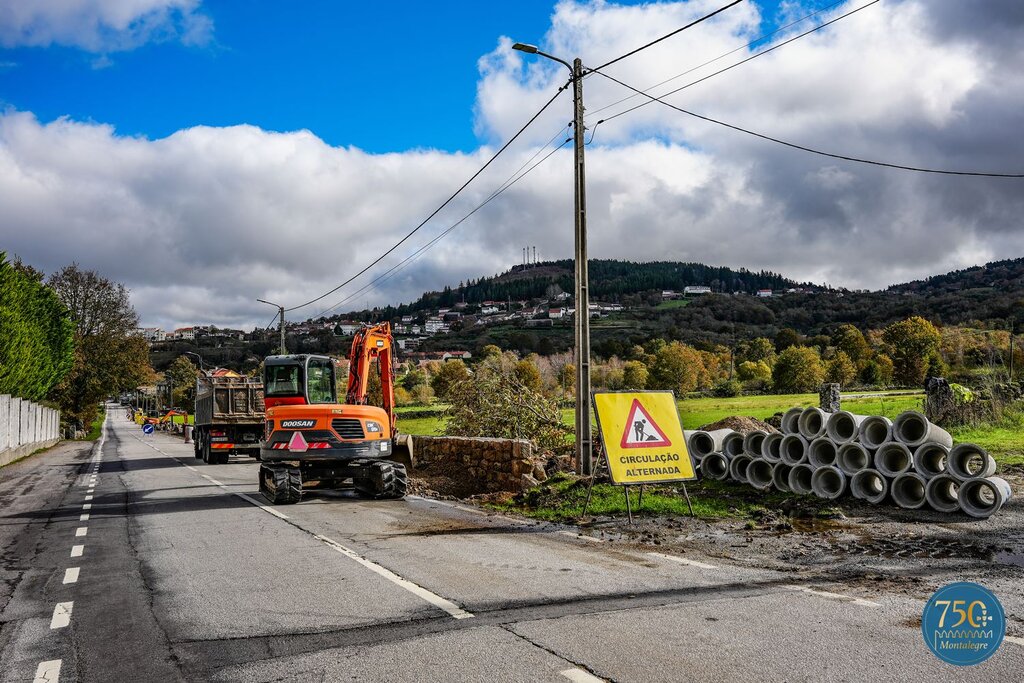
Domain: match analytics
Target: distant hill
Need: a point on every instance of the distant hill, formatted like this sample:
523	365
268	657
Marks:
1005	275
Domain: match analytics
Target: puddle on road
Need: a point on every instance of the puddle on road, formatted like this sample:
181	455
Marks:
1011	559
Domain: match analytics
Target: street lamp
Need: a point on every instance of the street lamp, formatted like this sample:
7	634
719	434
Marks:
202	365
584	441
280	310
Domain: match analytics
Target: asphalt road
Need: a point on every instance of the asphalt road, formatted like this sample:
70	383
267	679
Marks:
129	560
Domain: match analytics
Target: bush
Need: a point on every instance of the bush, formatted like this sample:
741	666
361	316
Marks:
798	370
726	388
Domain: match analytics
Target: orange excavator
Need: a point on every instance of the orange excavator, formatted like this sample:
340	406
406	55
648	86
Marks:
314	442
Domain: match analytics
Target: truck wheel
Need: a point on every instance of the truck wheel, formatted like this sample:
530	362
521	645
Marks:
383	480
206	451
220	456
281	485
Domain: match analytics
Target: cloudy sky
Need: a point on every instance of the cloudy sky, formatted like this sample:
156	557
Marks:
209	153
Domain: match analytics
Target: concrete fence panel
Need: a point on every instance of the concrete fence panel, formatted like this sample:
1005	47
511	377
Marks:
5	422
25	427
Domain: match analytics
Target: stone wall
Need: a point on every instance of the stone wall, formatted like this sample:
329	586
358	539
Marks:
498	464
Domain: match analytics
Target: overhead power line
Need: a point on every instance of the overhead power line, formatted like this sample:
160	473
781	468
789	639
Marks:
811	150
512	180
669	35
438	209
753	42
733	66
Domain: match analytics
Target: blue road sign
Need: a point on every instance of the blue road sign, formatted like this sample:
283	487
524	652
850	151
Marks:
147	428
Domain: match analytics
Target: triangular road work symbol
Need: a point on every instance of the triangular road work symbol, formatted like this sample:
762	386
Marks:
298	443
641	429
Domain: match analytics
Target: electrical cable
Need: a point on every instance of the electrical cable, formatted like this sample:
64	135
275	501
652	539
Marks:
816	151
669	35
733	66
438	209
388	274
755	41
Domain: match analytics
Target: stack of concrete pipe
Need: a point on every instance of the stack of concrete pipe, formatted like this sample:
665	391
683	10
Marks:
909	459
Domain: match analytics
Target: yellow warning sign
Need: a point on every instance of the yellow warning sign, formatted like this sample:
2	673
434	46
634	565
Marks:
643	437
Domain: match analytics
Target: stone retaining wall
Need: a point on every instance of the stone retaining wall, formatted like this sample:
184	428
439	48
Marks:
498	464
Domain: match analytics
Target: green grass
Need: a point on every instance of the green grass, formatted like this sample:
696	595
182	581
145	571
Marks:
96	427
421	426
672	304
1004	440
562	497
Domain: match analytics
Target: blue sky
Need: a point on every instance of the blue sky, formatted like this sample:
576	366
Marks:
122	145
380	76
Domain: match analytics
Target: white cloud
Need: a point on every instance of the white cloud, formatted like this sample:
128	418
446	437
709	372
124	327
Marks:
201	223
101	25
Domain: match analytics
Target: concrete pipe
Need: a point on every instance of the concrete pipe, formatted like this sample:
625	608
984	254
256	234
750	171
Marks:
914	429
780	476
752	443
844	427
770	448
701	443
800	479
828	482
793	449
869	485
942	493
738	468
893	459
791	421
982	497
908	490
969	461
930	459
732	445
875	431
759	474
812	423
822	452
714	466
852	458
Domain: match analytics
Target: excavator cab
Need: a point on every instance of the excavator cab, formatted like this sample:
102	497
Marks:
313	441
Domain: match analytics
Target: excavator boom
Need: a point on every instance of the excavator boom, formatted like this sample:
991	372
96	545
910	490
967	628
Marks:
369	346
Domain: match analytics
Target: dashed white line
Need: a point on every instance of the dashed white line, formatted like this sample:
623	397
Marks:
61	615
81	531
48	672
834	596
433	598
581	676
1014	639
683	560
83	518
88	497
87	506
71	575
77	550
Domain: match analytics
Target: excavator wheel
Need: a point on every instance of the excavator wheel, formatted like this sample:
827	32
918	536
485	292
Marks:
383	480
281	485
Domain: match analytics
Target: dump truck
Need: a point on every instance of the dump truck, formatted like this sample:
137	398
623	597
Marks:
314	442
228	418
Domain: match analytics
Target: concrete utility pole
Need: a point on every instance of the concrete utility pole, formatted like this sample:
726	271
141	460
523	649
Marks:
584	438
280	310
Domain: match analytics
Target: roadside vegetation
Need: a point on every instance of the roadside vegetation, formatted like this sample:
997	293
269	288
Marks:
96	427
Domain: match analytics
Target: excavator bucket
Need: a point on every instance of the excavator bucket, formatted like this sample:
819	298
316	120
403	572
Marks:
402	451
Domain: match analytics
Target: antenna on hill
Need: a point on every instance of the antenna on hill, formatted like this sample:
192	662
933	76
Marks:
534	255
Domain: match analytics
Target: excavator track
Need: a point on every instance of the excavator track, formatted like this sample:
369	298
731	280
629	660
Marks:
383	480
281	485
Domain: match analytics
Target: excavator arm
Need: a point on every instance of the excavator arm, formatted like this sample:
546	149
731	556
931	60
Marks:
373	345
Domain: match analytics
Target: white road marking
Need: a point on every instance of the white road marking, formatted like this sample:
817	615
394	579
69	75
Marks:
61	615
580	676
71	575
87	506
1014	639
76	550
433	598
582	537
88	497
683	560
446	605
83	518
81	531
834	596
48	672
